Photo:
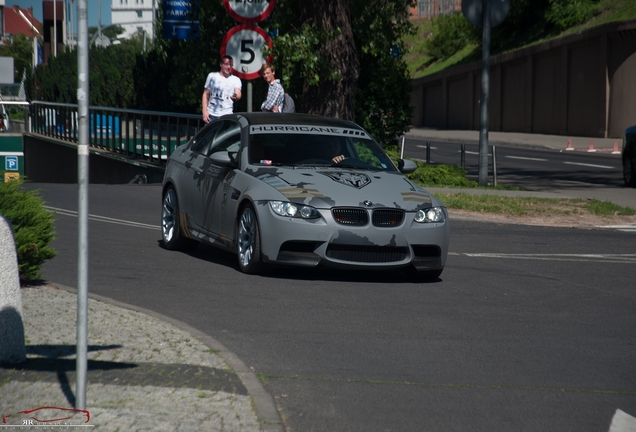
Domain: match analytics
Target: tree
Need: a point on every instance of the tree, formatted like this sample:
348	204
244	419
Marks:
352	69
335	96
330	63
20	48
383	96
111	77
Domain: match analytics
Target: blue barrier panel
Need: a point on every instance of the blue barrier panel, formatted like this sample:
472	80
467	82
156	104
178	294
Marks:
102	124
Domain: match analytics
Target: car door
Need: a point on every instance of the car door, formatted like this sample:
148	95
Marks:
216	198
192	177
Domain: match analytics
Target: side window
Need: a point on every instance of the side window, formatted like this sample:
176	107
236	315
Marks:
201	142
228	138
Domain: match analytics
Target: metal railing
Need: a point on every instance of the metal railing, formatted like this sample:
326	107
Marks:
148	135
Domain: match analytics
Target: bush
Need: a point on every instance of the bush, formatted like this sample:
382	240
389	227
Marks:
32	227
441	176
451	33
568	13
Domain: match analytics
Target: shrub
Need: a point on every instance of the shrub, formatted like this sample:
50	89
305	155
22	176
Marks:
441	176
32	227
435	175
451	33
568	13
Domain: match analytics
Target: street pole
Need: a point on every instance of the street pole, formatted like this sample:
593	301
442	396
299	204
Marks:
485	89
99	19
54	28
82	179
249	96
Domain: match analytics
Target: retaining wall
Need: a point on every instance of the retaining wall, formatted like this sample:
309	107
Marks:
579	85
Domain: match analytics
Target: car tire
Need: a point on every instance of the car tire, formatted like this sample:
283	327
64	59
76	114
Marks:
248	242
629	171
171	234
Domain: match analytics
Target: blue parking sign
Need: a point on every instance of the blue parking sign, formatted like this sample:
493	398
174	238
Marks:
11	163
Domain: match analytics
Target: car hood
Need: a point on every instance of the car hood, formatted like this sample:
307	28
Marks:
326	187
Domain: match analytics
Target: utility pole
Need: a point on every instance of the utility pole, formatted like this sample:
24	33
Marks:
485	14
99	18
82	179
54	38
485	90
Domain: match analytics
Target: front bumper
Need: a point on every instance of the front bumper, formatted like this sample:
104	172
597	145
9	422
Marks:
324	242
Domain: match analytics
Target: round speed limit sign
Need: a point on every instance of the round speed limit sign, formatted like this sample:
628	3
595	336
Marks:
244	43
249	11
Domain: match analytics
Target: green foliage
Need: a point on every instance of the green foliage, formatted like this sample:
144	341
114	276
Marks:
110	71
432	175
383	97
450	34
20	48
32	226
170	76
567	13
296	56
441	175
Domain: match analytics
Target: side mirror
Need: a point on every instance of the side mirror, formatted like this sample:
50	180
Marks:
406	166
222	158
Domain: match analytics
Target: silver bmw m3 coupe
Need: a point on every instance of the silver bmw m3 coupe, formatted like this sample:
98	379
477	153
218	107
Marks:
301	190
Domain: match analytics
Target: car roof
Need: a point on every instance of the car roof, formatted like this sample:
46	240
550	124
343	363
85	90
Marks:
265	118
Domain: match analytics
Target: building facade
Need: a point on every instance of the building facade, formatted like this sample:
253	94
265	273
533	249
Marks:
134	16
433	8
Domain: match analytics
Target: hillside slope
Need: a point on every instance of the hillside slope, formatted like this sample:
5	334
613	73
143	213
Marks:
529	22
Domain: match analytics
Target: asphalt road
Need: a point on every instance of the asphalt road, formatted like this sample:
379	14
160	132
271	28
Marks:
529	328
529	168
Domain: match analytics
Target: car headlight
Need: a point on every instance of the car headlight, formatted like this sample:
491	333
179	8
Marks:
433	214
289	209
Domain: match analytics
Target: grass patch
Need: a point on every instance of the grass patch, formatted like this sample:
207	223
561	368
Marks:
532	206
454	176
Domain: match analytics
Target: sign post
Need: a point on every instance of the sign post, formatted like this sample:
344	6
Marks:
486	14
244	43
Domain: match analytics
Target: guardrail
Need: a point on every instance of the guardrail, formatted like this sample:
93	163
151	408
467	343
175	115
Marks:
148	135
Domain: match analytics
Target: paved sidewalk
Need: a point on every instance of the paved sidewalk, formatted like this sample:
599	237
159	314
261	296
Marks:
557	142
145	373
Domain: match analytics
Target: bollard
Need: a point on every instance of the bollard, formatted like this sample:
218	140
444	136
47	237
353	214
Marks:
428	152
494	166
12	347
463	156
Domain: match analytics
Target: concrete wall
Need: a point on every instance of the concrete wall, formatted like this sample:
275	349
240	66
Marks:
48	160
578	85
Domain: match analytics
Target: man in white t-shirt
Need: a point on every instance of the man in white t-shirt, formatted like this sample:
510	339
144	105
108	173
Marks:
220	92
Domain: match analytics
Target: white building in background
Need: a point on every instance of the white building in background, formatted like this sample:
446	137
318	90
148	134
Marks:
134	16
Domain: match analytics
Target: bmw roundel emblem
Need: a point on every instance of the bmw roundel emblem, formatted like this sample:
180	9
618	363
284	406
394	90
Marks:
368	203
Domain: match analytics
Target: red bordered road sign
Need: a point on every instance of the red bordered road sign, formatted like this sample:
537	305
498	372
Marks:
249	11
244	43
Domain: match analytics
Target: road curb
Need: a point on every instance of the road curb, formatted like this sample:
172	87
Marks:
264	405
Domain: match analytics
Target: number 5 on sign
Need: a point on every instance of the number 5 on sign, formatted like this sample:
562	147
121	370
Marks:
244	43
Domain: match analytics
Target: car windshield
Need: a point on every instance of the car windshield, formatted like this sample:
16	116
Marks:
338	148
